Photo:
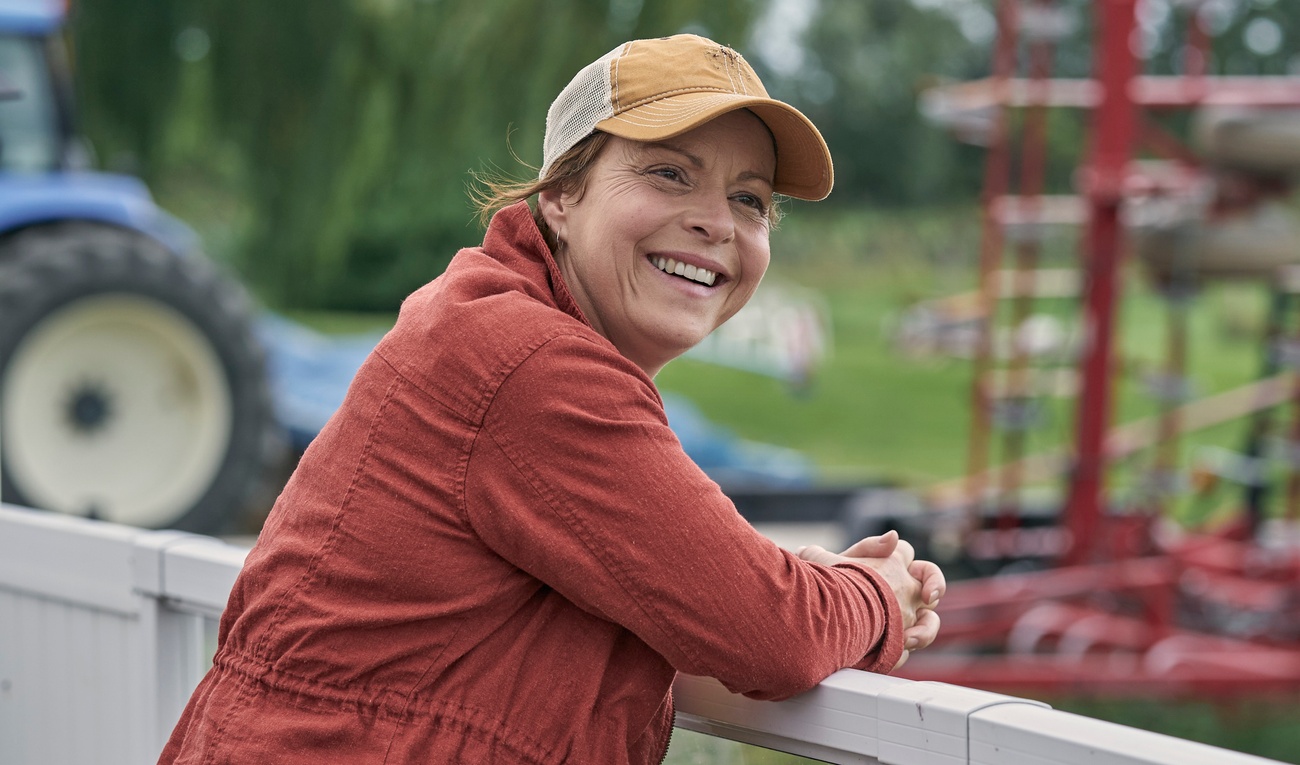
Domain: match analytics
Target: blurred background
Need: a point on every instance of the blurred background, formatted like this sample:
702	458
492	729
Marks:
323	151
324	148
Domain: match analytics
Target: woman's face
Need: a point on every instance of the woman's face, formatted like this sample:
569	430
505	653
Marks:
669	239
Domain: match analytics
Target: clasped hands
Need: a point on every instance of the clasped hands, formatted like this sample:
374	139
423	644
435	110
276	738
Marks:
918	584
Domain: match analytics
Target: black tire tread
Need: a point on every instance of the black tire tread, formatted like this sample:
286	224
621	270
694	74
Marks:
46	267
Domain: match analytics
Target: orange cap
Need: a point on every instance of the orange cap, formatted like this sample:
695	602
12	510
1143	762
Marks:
651	90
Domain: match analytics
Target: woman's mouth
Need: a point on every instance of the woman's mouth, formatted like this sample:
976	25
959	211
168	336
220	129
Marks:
684	270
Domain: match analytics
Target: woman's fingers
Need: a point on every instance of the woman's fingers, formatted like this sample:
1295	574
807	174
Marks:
923	632
906	551
933	583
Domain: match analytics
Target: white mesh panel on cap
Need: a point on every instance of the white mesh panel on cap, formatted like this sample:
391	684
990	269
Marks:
573	115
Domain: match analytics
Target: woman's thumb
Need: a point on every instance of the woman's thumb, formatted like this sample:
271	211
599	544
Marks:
875	547
816	554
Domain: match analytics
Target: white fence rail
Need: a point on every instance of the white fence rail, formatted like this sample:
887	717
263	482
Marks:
105	630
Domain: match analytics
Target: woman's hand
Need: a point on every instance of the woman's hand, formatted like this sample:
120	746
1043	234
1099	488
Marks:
917	584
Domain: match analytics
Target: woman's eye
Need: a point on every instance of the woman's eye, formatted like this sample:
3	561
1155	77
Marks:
668	173
749	200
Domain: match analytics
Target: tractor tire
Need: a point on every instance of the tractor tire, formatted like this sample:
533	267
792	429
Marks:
132	387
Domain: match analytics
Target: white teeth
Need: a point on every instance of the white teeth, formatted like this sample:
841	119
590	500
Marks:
694	273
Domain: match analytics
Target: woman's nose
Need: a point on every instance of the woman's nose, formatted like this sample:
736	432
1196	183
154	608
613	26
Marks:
710	217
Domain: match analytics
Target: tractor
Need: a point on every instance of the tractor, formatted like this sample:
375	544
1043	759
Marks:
133	384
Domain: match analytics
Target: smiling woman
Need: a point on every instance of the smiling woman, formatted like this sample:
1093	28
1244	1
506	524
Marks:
497	551
692	245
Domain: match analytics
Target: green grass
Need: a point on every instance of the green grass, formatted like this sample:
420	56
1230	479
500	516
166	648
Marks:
874	412
691	748
867	412
1260	727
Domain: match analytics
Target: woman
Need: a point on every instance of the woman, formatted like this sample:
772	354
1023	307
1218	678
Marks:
497	551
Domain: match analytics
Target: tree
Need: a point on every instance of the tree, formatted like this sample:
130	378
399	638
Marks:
865	62
358	121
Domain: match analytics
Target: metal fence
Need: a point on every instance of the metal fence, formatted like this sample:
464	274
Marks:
105	630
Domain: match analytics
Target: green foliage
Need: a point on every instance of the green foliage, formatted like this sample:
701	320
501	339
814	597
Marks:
356	122
126	100
334	139
871	58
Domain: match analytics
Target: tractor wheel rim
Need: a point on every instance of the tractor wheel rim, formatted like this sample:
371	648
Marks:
115	406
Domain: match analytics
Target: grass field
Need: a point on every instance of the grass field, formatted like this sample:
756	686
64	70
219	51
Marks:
875	412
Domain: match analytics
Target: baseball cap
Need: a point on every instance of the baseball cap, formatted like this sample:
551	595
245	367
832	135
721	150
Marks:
652	90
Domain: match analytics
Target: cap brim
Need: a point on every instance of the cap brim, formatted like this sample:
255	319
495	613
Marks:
803	163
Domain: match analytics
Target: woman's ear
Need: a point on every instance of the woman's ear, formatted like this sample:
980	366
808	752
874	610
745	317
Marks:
554	208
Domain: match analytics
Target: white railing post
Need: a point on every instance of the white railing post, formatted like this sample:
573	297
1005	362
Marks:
198	575
834	722
1003	734
851	717
929	722
74	642
102	634
171	641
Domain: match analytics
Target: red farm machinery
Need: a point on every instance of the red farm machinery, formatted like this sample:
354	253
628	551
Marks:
1187	175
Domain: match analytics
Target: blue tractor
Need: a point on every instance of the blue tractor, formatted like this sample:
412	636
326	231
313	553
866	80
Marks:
133	384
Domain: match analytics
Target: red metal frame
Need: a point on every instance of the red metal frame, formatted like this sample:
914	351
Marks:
997	175
1126	610
1109	628
1114	135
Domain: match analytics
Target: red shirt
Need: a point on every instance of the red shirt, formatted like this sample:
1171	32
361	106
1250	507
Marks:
497	551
